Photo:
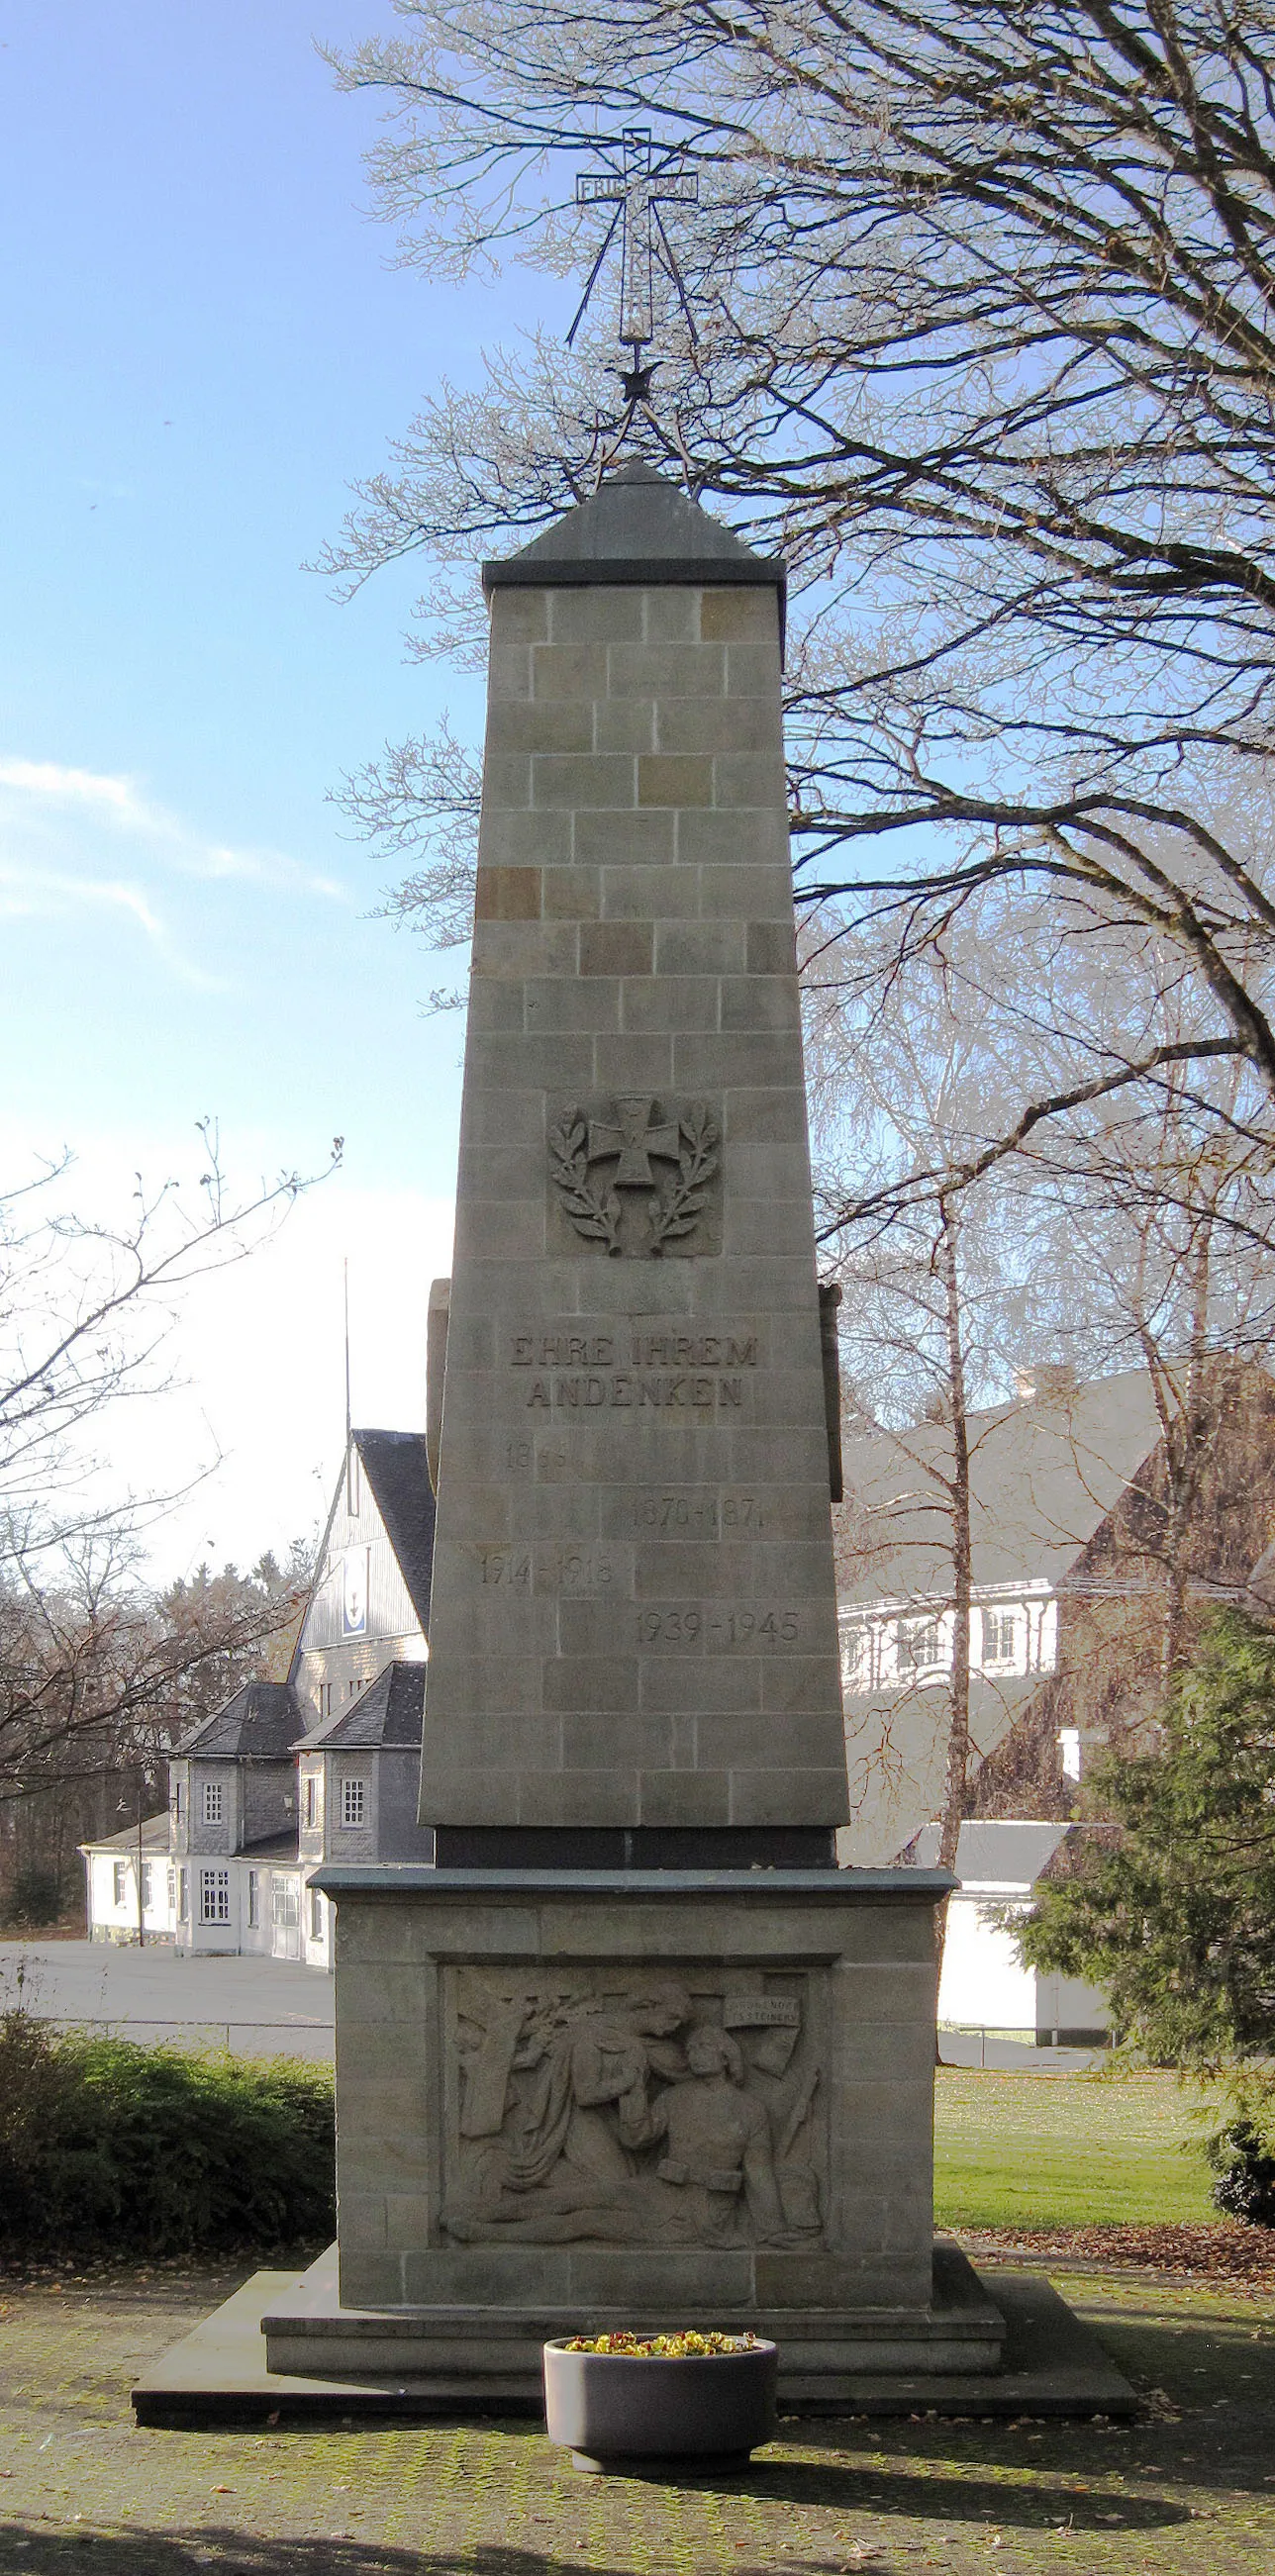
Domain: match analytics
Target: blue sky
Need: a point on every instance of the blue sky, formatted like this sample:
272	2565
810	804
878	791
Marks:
204	343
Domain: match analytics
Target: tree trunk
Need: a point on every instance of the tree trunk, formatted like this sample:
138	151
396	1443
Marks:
958	1732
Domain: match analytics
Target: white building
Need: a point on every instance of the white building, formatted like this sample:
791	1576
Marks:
985	1986
1069	1512
322	1766
113	1867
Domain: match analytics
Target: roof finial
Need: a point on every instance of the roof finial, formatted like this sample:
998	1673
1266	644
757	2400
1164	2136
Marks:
637	190
349	1480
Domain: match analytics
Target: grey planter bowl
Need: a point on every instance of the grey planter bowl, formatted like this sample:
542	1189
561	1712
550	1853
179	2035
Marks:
614	2411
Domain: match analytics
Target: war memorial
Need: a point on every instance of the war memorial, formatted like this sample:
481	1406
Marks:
633	2050
635	2046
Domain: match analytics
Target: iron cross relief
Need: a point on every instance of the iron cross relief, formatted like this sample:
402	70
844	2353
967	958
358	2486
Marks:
634	1139
637	191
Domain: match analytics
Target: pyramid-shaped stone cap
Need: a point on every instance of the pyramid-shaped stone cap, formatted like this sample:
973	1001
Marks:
636	528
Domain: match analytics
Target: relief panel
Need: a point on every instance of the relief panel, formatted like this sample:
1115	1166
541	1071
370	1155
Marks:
620	2107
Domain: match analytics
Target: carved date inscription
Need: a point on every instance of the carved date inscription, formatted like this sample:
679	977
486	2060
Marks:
704	1624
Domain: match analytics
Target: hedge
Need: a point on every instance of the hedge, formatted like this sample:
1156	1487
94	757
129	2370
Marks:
109	2148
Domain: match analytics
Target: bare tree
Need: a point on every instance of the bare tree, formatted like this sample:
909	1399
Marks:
934	1296
92	1660
982	307
99	1674
1133	1235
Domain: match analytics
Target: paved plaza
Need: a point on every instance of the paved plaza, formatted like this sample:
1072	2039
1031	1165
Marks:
255	2007
1188	2492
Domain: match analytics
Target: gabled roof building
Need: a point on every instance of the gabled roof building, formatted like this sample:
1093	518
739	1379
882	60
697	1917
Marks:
1071	1532
322	1766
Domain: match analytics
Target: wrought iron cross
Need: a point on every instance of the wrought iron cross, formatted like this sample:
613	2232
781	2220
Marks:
637	191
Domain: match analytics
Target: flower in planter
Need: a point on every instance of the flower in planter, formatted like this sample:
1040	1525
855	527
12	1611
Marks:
683	2346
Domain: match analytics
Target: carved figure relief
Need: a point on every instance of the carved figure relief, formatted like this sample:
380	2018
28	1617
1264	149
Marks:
635	2113
636	1175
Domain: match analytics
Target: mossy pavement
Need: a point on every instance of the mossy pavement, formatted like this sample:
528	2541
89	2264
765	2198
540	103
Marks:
1189	2492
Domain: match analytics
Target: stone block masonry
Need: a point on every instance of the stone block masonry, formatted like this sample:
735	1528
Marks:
633	1580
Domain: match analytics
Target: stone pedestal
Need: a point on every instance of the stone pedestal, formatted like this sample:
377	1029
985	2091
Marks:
648	2099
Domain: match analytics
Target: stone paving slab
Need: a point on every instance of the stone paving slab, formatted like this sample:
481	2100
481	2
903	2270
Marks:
1185	2492
1055	2366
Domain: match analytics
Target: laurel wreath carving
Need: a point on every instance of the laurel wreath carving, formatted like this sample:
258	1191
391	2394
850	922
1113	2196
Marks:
593	1206
677	1208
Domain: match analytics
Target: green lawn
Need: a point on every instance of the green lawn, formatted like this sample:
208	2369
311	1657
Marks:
1043	2151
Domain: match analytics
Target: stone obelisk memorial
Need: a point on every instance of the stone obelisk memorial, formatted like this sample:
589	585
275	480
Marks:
635	2051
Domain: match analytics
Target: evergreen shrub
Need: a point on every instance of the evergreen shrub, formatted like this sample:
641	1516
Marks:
1243	2173
36	1897
108	2148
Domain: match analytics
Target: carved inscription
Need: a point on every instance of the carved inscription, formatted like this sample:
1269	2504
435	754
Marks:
577	1573
633	1371
666	1515
637	1176
704	1624
624	2107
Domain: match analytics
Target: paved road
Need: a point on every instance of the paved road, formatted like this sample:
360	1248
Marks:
257	2007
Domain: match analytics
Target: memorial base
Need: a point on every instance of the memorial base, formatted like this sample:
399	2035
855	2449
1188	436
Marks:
573	2101
489	2358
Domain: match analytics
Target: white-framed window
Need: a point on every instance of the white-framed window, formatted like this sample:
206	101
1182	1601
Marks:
119	1882
214	1896
1000	1637
856	1655
183	1895
311	1800
284	1903
316	1915
254	1899
919	1645
214	1802
353	1801
148	1885
172	1891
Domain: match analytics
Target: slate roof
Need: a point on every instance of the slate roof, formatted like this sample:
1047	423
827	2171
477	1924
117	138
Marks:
1007	1853
1044	1476
280	1846
993	1853
260	1723
636	525
390	1713
395	1466
154	1837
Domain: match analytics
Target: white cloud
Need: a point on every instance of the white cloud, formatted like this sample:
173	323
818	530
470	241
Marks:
38	893
40	789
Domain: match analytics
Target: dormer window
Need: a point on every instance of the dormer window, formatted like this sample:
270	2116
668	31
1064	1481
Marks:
353	1801
179	1801
214	1802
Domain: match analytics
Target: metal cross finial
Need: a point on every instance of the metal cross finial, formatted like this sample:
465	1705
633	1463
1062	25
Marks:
637	191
